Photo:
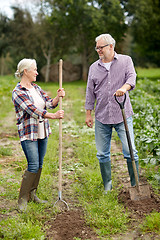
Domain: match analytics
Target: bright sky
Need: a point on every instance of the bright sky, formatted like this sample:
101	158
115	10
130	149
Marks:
6	4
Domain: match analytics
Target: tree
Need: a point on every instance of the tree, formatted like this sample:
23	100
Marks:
23	40
78	22
4	41
144	21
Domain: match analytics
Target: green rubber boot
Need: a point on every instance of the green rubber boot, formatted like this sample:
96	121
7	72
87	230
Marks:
106	175
131	172
33	196
27	182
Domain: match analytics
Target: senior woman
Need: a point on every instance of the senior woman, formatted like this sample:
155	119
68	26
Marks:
30	103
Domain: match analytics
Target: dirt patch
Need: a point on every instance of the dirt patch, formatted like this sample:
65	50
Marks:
70	225
139	207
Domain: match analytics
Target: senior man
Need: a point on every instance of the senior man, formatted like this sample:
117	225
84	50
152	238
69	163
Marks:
113	74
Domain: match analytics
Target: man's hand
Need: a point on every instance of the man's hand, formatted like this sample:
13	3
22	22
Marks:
89	119
121	91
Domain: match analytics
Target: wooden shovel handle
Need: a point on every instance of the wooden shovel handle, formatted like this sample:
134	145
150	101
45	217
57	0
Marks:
60	128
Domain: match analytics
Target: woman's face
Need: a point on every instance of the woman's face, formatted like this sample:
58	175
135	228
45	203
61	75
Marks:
32	72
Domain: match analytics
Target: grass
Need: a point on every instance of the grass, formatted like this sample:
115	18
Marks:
151	73
151	223
5	151
102	212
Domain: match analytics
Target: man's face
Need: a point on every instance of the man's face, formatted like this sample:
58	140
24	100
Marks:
103	51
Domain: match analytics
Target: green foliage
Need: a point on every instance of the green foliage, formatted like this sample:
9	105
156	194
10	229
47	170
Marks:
144	17
151	223
146	104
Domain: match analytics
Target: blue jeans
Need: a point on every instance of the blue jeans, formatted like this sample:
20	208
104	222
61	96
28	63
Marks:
35	152
103	134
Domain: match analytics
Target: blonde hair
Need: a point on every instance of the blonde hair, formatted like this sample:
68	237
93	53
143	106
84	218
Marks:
107	38
23	64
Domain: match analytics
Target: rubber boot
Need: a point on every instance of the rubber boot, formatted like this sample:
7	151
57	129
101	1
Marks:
131	172
34	187
27	182
106	175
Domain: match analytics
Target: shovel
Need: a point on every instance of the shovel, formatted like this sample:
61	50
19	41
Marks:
139	191
60	143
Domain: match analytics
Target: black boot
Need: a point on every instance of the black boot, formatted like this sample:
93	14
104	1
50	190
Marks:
33	190
106	175
27	182
131	172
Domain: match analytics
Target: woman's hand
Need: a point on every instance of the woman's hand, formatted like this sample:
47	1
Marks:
60	92
57	115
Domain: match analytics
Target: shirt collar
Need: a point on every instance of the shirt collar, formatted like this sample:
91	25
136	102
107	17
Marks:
115	57
23	88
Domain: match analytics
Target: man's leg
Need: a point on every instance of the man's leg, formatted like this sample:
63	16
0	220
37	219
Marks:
103	134
122	135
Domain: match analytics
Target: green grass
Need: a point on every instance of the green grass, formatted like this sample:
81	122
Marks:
4	151
17	228
102	212
7	83
151	223
153	73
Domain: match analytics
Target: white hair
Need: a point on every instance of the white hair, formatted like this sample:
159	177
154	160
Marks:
23	64
107	38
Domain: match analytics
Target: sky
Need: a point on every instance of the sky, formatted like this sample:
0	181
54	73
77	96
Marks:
5	6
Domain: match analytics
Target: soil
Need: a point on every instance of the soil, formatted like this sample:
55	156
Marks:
70	224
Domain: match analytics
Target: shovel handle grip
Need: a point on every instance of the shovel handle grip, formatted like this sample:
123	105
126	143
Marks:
121	104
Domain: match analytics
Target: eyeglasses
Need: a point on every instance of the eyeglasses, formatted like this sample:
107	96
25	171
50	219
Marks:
100	48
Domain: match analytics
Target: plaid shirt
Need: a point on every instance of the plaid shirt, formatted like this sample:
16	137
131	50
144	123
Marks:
27	114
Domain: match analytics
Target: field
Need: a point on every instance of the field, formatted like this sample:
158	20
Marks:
91	215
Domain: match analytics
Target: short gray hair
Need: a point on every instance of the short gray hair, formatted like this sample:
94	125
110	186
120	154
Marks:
25	63
107	38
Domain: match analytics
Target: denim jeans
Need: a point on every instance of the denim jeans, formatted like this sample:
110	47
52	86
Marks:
35	152
103	134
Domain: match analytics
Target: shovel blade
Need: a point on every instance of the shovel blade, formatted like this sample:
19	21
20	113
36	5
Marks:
143	192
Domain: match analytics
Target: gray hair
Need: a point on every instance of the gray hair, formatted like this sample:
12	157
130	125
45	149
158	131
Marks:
107	38
23	64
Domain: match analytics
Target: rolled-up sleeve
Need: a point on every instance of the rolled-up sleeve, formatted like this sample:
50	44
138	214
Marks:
130	73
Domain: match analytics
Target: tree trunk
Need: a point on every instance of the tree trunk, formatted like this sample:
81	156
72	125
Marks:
2	66
84	65
48	66
47	55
